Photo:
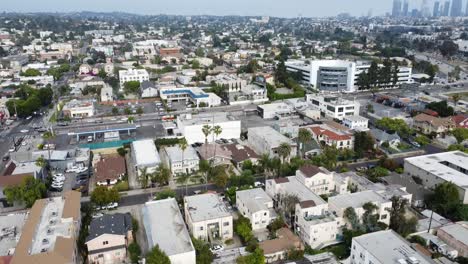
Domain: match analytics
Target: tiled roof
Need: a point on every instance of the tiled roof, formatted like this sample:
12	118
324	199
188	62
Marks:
318	131
307	204
110	167
309	170
433	121
281	180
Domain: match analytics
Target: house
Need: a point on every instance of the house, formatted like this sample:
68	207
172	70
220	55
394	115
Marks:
385	247
85	69
216	153
429	124
50	232
331	136
338	204
317	230
191	126
145	155
240	154
381	137
207	217
180	162
257	206
456	236
438	168
108	238
461	121
138	75
266	140
148	89
356	122
107	93
277	249
165	227
109	169
321	181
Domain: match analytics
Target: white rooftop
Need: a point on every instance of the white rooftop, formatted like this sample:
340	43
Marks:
166	228
390	248
356	118
175	153
271	136
356	200
204	119
205	207
10	231
450	166
145	153
254	199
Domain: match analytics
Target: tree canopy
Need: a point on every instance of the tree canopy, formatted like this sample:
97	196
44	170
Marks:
157	256
104	196
30	190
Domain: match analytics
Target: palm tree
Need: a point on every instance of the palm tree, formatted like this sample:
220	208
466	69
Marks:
48	136
40	162
206	129
304	137
288	203
183	179
456	98
183	146
284	150
144	177
264	163
217	130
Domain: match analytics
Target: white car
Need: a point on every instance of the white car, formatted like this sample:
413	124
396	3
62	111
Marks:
81	169
24	143
258	184
72	169
97	215
111	206
24	131
216	248
12	149
57	185
58	178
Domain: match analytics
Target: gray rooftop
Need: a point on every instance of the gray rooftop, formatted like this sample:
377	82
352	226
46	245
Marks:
175	153
458	231
356	200
388	248
205	207
254	199
114	224
10	232
270	135
293	186
165	227
205	118
145	153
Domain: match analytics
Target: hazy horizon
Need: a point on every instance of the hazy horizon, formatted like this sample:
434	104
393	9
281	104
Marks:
292	8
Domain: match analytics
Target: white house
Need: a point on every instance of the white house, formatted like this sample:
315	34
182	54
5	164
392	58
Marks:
257	206
165	227
356	122
333	106
321	181
207	217
139	75
148	89
145	155
266	140
179	161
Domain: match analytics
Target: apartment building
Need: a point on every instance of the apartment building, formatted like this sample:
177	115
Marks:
179	161
165	227
330	136
145	155
321	181
50	232
257	206
338	204
193	95
385	247
79	108
438	168
207	217
356	123
333	106
266	140
139	75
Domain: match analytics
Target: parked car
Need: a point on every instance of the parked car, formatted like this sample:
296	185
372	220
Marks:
111	206
6	157
57	186
12	149
97	215
24	131
258	184
216	248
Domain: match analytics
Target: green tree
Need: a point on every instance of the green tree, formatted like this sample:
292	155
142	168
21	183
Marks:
461	134
423	140
162	175
442	108
132	87
102	74
330	157
27	192
139	110
41	162
445	200
31	73
456	98
134	251
164	194
157	256
203	252
284	150
206	130
144	177
256	257
398	221
351	216
243	228
102	195
304	137
363	143
216	130
115	110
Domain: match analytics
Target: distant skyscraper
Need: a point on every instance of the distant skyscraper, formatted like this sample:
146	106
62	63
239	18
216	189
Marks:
456	9
436	11
396	11
445	11
405	8
466	10
425	9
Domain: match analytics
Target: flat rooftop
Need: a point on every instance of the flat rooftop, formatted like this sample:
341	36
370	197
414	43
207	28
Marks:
175	153
205	207
459	231
145	153
254	199
205	118
293	186
270	135
10	231
166	228
356	200
388	247
450	166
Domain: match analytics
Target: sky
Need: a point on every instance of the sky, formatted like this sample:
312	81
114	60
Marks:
279	8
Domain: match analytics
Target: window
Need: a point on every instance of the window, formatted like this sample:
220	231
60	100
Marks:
226	224
384	216
105	242
201	228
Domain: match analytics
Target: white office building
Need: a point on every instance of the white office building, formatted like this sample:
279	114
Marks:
165	227
438	168
179	161
207	217
385	247
139	75
257	206
191	126
338	75
145	155
356	122
192	95
333	106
